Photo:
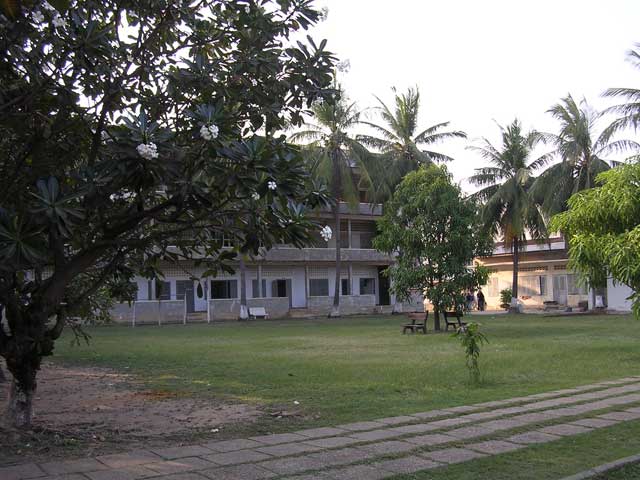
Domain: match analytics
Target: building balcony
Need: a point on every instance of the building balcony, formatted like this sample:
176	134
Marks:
288	254
369	209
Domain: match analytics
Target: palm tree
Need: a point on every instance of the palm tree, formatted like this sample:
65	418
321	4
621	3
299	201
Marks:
629	111
399	141
508	208
580	152
339	160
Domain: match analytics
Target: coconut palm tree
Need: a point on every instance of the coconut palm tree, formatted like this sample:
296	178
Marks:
630	110
399	141
509	210
580	151
340	161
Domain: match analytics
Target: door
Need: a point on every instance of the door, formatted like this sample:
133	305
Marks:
282	288
184	289
560	289
200	296
383	283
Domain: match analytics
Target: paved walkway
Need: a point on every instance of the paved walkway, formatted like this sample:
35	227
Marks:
368	450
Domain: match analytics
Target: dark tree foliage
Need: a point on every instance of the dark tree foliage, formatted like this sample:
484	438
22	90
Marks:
436	234
140	130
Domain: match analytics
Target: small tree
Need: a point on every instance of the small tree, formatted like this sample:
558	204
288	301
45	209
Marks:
132	132
436	235
602	226
471	338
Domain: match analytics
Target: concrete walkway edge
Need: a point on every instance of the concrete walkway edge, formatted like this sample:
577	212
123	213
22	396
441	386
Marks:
604	468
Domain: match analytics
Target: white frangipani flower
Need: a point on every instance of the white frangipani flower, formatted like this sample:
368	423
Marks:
326	233
254	82
272	185
37	16
247	9
59	22
324	13
209	132
343	66
48	6
296	402
148	151
255	196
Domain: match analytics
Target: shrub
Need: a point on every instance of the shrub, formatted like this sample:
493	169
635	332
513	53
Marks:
471	339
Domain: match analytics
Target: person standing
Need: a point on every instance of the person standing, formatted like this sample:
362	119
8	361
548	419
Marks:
481	300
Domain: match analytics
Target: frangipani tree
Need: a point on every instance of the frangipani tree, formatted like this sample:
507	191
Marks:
136	132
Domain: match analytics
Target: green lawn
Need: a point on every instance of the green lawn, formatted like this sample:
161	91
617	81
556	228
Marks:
361	368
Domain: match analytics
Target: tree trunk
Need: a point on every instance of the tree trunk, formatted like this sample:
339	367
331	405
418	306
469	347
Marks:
3	378
244	311
335	309
20	409
436	319
514	286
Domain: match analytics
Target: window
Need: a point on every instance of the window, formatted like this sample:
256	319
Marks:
366	239
574	287
543	284
367	286
493	290
318	287
279	288
163	290
224	289
345	286
254	288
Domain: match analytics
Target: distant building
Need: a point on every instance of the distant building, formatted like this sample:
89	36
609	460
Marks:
545	276
286	281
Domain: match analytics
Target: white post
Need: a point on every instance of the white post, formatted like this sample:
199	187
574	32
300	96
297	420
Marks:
208	297
184	318
306	286
133	317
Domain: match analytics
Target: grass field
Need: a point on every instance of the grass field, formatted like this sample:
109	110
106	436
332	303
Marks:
362	368
359	368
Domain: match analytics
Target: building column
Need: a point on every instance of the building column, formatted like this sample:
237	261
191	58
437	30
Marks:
348	233
306	286
350	275
259	277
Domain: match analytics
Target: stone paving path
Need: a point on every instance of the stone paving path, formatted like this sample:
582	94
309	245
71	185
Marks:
370	450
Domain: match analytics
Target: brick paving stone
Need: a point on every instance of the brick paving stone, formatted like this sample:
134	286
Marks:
453	455
357	472
565	429
634	409
183	476
66	476
432	414
434	439
19	472
130	473
594	422
392	446
182	452
309	476
179	465
466	433
240	456
462	409
232	445
450	422
396	420
493	447
532	437
499	425
482	415
332	442
289	466
415	428
374	435
406	465
278	438
533	417
344	456
238	472
494	403
135	457
624	416
288	449
321	432
361	426
72	466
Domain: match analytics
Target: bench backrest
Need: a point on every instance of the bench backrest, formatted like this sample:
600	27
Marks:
257	311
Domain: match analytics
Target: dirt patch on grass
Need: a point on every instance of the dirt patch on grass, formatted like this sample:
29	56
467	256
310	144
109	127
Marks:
92	411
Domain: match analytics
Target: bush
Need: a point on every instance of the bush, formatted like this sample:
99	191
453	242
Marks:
471	339
505	298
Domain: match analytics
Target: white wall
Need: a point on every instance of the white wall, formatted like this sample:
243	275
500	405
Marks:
617	294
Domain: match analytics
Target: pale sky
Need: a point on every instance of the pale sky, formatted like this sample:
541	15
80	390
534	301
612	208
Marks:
476	61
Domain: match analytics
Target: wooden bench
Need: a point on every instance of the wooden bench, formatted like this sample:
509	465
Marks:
453	319
418	322
258	312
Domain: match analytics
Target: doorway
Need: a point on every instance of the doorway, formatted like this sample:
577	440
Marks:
184	289
384	285
282	288
560	289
